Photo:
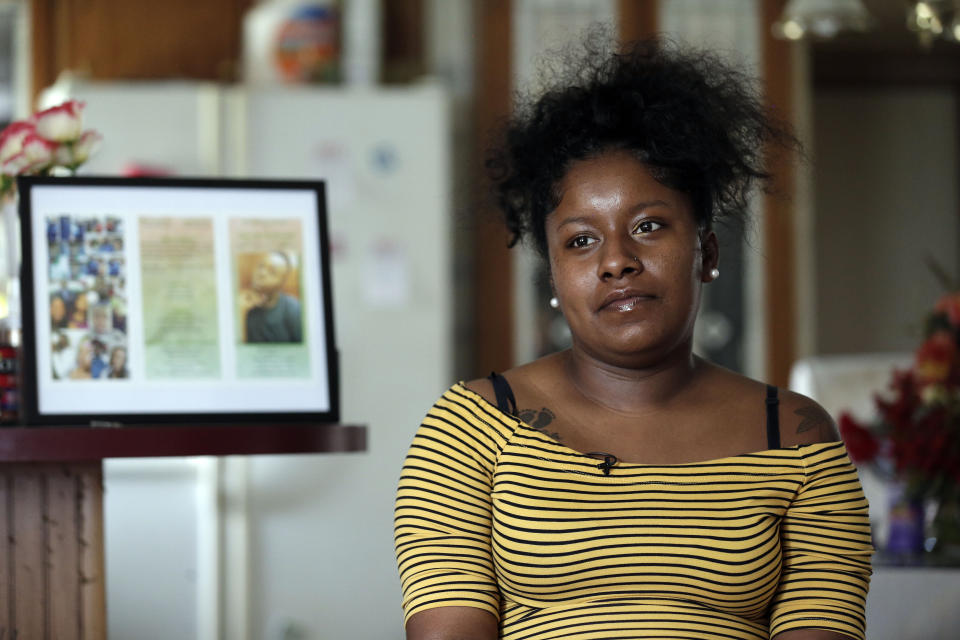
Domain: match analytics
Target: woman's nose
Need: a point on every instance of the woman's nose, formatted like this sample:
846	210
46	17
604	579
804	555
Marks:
618	258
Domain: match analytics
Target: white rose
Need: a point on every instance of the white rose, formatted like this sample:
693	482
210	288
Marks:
62	123
11	138
39	151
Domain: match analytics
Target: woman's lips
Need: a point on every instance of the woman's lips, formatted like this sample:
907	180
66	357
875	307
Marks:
625	301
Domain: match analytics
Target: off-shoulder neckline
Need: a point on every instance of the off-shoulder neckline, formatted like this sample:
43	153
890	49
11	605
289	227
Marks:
796	450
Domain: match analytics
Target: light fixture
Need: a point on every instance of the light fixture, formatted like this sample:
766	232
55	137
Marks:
933	19
821	18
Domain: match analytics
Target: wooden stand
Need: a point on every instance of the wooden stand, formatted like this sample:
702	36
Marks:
51	510
51	551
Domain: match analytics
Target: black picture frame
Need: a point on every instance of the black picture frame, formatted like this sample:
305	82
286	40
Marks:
32	411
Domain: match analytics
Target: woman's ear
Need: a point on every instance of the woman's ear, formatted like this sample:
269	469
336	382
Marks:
709	256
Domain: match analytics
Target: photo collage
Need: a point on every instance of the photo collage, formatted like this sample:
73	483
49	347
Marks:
88	298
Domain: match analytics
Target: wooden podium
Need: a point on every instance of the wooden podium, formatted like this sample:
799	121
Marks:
51	509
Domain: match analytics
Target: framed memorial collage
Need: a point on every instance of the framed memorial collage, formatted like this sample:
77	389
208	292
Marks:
171	300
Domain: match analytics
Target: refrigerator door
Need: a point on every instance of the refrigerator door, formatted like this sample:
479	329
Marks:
385	156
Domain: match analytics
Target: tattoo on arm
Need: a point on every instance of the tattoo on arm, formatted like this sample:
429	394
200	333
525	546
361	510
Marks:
813	417
539	420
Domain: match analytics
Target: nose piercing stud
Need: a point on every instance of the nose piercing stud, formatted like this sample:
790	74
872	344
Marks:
714	273
554	303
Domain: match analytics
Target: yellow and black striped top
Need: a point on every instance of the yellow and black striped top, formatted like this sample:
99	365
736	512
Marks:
492	513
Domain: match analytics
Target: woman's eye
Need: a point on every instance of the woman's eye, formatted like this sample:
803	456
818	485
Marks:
580	242
647	226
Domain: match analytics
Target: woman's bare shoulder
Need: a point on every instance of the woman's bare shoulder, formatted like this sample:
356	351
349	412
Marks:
802	420
539	372
483	388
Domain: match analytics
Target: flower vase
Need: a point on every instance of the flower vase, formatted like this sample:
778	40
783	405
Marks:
945	532
10	265
905	535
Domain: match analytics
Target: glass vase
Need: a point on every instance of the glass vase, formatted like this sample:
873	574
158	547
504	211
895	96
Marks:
905	532
944	533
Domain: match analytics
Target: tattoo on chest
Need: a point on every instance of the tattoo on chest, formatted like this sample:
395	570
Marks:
813	418
539	419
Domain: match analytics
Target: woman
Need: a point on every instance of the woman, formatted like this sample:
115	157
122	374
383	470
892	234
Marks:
84	361
118	363
58	312
78	316
658	495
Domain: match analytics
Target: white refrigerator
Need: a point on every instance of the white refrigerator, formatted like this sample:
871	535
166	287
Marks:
292	546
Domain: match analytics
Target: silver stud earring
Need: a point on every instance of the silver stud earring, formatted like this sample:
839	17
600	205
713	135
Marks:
714	273
554	303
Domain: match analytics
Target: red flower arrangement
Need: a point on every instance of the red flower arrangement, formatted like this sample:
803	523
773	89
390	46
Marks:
918	427
49	139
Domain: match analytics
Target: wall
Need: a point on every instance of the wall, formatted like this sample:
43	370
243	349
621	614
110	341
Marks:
885	176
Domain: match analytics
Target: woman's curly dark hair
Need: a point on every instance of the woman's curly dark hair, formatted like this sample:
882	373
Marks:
694	120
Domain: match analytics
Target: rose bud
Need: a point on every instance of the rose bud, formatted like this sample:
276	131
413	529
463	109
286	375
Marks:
935	358
11	139
62	123
949	305
39	151
935	394
63	155
86	145
15	165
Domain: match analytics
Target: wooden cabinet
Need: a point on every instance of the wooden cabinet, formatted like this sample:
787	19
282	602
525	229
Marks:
52	571
136	39
51	551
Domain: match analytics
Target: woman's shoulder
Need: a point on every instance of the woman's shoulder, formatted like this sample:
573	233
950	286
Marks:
802	420
483	387
539	371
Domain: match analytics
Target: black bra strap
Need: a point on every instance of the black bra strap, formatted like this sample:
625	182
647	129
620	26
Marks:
505	400
773	418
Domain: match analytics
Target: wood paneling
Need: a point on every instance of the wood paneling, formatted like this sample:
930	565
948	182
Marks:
51	552
7	615
89	533
27	537
638	19
493	262
124	39
778	208
63	552
43	52
404	51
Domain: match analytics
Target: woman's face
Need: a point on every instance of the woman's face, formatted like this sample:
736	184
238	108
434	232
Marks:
627	260
84	355
57	309
117	359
